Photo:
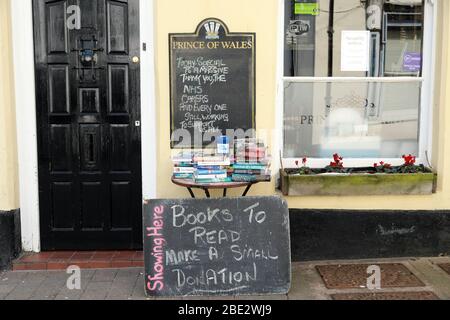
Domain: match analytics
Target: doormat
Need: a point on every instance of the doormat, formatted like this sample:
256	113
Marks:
445	267
354	276
422	295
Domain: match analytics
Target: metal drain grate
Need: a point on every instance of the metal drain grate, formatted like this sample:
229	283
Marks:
354	276
422	295
445	267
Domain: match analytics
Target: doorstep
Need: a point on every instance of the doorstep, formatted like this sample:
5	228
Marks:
61	260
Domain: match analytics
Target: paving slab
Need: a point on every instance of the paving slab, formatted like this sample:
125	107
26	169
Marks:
139	289
54	281
66	294
5	290
403	279
46	293
306	284
33	279
20	293
433	276
96	291
105	275
12	277
121	289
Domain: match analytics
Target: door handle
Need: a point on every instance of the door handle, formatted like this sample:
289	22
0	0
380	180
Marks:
135	60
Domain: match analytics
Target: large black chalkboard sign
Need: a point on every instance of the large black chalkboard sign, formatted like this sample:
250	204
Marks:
217	247
212	83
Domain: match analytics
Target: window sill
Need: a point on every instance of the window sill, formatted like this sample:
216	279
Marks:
358	184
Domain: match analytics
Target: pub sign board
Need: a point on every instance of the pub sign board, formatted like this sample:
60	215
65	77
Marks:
212	83
217	247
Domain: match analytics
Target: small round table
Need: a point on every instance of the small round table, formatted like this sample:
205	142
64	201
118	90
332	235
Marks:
189	184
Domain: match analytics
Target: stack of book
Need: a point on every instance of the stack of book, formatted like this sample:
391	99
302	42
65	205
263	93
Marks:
211	168
183	166
202	167
249	162
252	162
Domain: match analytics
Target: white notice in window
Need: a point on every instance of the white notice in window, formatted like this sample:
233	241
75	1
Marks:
355	49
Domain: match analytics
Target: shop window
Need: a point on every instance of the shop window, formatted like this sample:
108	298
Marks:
355	78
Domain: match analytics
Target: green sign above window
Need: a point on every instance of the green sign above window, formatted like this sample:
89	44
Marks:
312	9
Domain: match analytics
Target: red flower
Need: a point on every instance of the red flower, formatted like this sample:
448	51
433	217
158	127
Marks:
337	158
410	160
296	163
337	161
304	160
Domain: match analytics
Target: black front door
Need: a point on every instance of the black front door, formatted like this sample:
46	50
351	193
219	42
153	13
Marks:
88	119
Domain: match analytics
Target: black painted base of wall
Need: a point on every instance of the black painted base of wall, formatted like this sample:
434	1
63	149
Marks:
337	234
324	234
10	237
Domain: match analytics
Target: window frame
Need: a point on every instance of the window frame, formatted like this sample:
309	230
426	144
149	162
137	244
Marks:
426	103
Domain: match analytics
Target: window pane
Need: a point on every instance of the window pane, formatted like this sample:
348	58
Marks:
321	40
355	119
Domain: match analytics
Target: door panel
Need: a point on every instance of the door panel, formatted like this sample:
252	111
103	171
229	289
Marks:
117	27
118	89
61	148
63	215
59	89
88	102
56	27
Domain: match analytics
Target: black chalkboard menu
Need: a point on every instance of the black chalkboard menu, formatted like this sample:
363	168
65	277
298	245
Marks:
212	84
217	247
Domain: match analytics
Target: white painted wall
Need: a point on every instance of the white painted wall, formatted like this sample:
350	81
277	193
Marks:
23	51
148	98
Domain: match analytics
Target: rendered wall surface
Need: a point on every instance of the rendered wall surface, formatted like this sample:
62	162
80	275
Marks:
9	194
240	16
179	16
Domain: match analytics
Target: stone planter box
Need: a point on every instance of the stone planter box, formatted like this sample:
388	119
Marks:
358	184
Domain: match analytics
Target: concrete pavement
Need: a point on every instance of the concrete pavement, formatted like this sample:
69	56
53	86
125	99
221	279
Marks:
307	283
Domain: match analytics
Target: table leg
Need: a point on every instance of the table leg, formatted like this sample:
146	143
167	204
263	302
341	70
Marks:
207	193
247	190
191	192
225	192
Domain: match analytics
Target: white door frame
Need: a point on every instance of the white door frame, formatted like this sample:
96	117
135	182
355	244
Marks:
23	49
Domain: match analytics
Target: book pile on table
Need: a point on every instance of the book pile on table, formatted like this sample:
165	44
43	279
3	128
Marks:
183	166
249	162
252	162
212	168
202	167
